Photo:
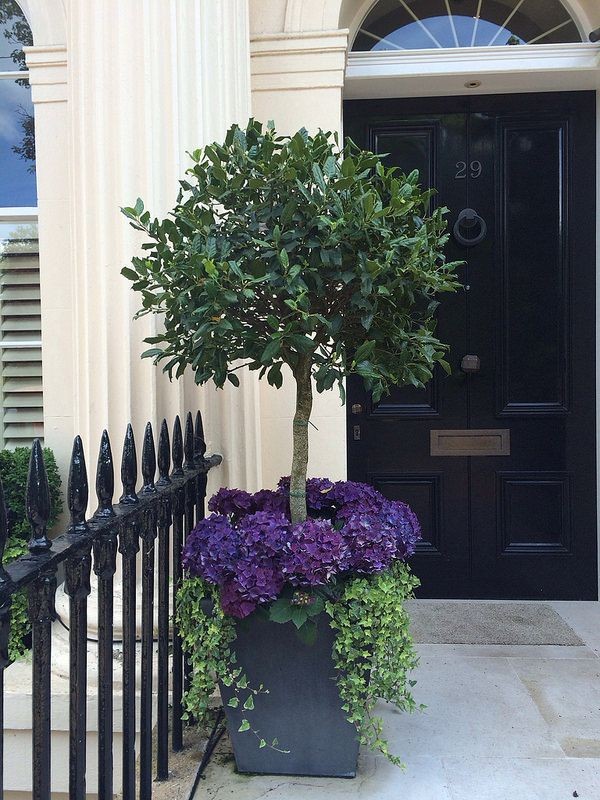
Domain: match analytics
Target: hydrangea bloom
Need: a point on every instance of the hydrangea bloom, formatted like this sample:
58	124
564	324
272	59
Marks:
403	521
231	502
250	549
356	498
314	554
252	584
263	534
212	549
371	545
271	502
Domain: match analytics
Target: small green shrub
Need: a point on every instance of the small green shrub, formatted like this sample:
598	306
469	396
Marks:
14	465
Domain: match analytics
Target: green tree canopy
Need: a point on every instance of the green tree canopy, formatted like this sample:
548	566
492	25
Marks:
290	250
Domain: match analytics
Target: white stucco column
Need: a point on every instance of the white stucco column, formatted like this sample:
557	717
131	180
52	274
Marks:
48	76
148	81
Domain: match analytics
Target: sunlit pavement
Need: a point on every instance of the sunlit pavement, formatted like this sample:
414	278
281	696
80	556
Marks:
503	722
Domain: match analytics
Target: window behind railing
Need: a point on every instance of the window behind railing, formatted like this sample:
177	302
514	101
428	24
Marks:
21	407
20	334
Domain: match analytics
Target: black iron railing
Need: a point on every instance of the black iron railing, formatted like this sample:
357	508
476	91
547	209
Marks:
155	519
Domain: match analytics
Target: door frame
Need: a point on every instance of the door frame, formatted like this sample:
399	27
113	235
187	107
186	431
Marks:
490	70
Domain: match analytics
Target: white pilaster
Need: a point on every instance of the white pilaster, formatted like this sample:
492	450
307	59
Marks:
147	80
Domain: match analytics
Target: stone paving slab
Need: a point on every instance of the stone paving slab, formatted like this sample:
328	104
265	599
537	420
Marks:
503	722
567	694
377	780
522	779
475	706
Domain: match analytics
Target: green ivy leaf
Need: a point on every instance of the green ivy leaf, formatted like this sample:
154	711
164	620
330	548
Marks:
245	726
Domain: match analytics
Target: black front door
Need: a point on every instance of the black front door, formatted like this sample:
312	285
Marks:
499	458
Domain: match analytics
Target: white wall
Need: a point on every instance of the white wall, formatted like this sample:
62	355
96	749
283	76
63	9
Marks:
131	88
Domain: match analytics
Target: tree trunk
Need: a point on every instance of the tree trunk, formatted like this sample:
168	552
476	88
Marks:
300	452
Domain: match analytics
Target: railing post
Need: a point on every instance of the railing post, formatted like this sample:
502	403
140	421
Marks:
129	547
4	662
190	505
77	586
41	615
164	525
5	603
202	479
148	538
178	514
105	562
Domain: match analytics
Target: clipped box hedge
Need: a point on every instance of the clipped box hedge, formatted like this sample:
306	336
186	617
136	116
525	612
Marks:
14	465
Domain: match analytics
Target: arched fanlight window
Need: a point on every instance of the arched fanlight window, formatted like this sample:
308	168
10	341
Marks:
21	412
421	24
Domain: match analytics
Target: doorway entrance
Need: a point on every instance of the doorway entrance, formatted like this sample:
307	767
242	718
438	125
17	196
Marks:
498	459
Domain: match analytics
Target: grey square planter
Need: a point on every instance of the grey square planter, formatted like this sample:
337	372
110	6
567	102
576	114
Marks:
302	709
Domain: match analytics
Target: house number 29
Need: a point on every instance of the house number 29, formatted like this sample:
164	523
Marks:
475	169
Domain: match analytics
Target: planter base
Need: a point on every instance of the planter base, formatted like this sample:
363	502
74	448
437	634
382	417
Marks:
302	709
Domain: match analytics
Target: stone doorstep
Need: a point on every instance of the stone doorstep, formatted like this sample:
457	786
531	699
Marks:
17	742
18	712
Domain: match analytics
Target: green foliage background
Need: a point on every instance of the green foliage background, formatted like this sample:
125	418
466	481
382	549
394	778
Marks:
14	465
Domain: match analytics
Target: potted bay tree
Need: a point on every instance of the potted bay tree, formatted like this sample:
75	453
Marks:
305	262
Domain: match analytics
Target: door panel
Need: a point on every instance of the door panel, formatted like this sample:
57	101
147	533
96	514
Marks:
393	452
521	524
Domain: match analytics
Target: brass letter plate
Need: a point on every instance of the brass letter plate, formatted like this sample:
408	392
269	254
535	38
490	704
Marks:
470	443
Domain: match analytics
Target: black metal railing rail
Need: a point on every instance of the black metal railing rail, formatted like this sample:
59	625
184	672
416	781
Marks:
155	519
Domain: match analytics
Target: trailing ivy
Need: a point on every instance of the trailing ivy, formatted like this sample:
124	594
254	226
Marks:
207	634
373	651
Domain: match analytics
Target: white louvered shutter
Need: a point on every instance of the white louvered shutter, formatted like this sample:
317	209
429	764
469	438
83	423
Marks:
20	335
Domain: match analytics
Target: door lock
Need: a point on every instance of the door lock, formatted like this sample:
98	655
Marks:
470	364
357	408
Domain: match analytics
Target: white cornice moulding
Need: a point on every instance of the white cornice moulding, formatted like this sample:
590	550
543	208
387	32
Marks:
48	73
411	73
298	61
469	59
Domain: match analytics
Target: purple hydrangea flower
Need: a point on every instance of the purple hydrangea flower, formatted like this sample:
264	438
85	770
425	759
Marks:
212	549
352	498
315	553
371	544
403	521
263	534
252	584
250	549
271	502
231	503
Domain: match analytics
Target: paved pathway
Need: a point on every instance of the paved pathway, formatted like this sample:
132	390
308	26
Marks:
502	723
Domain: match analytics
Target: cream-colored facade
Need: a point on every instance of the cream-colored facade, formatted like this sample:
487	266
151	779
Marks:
122	89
